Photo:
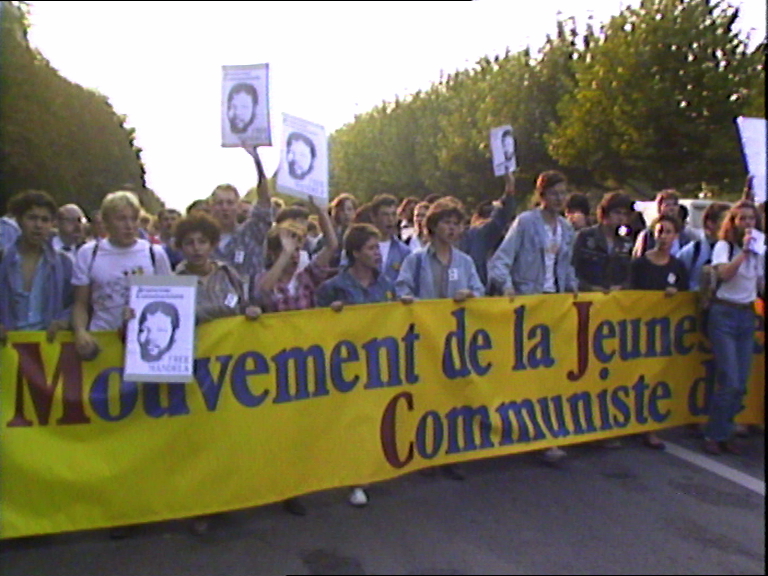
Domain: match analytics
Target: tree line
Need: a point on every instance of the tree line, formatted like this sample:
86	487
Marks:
56	135
646	101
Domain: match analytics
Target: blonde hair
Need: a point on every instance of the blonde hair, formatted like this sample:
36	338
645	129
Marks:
114	201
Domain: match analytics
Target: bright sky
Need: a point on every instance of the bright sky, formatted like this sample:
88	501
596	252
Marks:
160	64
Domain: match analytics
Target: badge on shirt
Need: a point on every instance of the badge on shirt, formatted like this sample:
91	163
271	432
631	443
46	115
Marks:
239	256
231	300
671	278
453	274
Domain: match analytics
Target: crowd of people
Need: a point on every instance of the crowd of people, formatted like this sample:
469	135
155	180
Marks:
62	271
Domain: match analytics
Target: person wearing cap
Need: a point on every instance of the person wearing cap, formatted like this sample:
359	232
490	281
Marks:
602	253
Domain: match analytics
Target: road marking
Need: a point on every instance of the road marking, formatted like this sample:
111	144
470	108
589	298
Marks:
726	472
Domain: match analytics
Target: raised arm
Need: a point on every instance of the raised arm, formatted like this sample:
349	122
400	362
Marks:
323	258
262	188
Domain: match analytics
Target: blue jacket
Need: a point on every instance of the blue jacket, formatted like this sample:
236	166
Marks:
519	261
345	288
57	285
398	251
693	267
480	241
416	278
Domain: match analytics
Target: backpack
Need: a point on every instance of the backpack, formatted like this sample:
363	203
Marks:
709	284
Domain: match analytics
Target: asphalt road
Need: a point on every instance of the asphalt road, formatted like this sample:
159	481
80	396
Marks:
630	510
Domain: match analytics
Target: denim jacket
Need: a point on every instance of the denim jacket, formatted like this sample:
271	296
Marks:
416	278
345	288
519	260
57	285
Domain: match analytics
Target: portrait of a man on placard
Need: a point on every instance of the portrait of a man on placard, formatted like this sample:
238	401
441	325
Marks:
300	154
242	100
158	324
507	162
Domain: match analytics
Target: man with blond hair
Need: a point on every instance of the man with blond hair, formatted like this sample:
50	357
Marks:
103	267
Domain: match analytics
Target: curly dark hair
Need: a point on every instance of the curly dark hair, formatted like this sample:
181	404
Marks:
24	201
198	221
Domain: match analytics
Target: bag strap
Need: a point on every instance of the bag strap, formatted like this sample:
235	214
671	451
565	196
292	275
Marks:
153	258
93	257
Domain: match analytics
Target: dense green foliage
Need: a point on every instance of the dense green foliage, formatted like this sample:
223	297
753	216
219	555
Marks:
647	101
56	135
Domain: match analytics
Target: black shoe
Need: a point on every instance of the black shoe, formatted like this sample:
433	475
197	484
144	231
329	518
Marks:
295	507
452	472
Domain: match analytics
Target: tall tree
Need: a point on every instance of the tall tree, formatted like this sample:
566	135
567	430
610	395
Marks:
56	135
657	94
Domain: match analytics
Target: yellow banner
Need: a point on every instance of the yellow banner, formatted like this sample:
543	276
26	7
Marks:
304	401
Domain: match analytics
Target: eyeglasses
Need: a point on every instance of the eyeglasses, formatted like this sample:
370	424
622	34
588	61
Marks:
73	220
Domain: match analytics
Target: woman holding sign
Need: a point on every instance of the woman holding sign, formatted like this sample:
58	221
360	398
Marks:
739	260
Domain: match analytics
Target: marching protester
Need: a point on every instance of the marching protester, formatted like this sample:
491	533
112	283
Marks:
577	210
360	282
739	261
166	220
405	218
658	269
282	287
535	255
103	267
242	245
482	239
220	290
668	203
602	253
695	255
440	270
70	229
383	211
9	231
343	209
420	237
35	279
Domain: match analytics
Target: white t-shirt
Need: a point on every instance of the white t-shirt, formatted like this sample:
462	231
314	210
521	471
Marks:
384	248
550	255
108	276
742	288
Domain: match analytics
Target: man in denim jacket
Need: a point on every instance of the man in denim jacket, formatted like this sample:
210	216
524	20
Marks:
35	279
535	255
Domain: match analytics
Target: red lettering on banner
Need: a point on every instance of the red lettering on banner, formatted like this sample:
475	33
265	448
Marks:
32	371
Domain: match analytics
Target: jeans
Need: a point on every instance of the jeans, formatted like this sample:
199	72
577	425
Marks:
731	332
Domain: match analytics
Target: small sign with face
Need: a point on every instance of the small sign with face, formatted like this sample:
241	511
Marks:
245	106
160	339
503	150
303	170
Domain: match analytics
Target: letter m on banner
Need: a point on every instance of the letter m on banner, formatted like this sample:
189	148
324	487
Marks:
31	372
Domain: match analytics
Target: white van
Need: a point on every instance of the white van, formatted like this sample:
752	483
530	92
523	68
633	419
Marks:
696	207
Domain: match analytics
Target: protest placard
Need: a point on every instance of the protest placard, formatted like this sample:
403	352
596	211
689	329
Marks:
303	170
160	339
503	150
245	106
752	133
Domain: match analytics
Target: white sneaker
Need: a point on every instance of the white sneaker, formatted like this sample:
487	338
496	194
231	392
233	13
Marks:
554	454
358	497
